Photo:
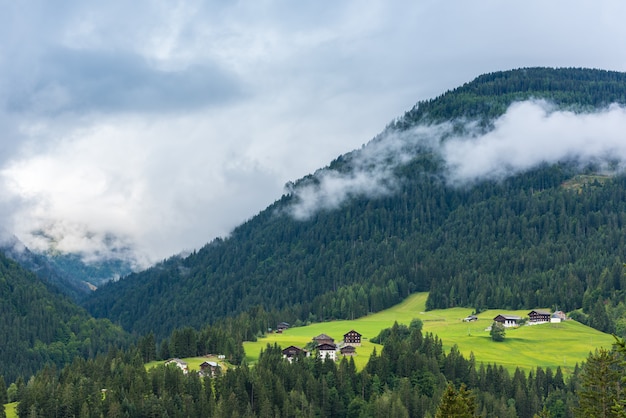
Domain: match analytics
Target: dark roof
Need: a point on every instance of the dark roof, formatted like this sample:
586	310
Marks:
351	332
510	317
324	337
292	349
540	312
347	348
327	347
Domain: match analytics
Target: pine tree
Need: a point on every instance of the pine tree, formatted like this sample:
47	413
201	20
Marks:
600	389
456	404
3	391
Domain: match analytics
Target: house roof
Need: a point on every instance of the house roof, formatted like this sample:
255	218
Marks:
352	331
347	348
208	363
293	349
324	337
327	347
539	312
509	317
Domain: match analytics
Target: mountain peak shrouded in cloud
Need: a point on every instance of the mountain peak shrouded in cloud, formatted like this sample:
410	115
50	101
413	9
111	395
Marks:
499	125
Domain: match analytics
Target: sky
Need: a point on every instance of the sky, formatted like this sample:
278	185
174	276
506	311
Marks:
156	126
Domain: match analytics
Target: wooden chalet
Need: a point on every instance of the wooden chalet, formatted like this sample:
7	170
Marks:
327	351
293	351
539	317
323	339
178	363
508	320
209	368
352	338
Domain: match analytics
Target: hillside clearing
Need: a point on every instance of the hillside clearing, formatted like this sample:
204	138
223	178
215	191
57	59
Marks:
545	345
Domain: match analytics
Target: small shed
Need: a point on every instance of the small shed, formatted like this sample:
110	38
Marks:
347	350
282	326
557	317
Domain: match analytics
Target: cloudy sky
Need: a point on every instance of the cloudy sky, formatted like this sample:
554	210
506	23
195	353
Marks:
159	125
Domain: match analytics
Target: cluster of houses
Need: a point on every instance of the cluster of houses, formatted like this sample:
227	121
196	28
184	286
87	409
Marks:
207	368
326	347
534	317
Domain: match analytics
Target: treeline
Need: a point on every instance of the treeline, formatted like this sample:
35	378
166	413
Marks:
411	377
489	95
38	325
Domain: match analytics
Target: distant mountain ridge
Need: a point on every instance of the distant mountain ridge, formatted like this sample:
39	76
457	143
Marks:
399	227
68	272
39	325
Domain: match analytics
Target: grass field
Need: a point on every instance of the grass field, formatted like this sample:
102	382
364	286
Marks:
193	363
11	410
563	344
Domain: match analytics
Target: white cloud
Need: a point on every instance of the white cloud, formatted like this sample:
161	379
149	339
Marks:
168	123
531	133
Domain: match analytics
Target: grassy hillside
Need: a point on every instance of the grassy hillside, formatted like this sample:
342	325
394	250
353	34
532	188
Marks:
527	347
11	410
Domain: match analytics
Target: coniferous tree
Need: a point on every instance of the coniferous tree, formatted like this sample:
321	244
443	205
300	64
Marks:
456	404
3	391
600	386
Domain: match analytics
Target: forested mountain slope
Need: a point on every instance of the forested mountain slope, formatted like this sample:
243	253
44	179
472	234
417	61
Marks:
39	325
552	234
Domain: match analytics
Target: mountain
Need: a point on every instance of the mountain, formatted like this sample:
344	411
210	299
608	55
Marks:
13	248
40	325
507	192
68	272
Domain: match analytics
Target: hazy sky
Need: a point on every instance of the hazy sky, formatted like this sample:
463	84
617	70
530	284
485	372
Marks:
160	125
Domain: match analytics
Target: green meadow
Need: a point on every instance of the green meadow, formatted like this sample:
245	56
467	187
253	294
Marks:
193	363
10	409
545	345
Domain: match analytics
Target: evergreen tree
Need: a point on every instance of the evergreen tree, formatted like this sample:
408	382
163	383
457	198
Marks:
600	386
3	391
456	404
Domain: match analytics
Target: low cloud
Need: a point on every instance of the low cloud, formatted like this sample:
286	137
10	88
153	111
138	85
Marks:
530	133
